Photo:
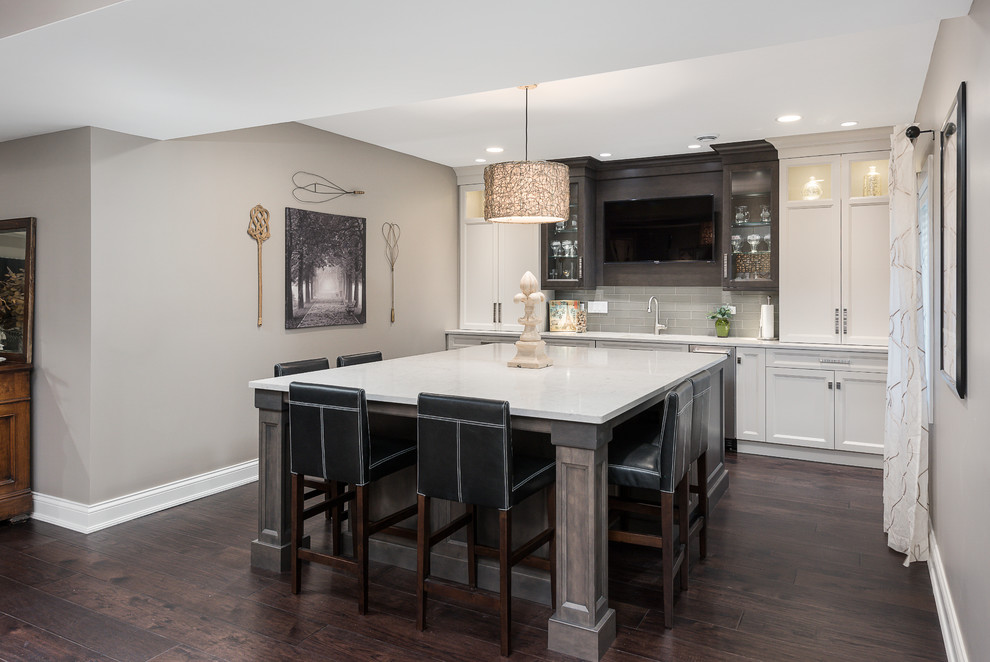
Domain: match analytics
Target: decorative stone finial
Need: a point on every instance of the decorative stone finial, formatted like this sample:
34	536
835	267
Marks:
530	349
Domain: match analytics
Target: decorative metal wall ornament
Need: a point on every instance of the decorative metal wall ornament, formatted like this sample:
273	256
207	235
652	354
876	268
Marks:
310	187
391	232
259	231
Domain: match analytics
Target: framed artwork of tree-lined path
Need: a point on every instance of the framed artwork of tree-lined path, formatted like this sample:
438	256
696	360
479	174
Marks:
324	269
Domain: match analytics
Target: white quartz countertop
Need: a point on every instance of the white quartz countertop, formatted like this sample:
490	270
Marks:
677	339
584	384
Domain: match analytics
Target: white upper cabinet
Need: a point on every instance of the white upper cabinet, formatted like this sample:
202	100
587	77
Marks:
834	236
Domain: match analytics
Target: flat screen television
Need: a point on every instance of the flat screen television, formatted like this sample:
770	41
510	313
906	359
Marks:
656	230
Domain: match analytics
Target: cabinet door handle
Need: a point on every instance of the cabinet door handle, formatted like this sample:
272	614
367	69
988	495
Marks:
499	313
725	265
845	321
494	312
830	386
838	385
739	360
836	321
580	267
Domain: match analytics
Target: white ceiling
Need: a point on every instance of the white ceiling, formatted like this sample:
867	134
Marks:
436	78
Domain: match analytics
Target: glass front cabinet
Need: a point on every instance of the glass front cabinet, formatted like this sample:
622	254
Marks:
749	221
567	247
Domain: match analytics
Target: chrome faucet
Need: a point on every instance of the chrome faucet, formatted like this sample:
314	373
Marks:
657	326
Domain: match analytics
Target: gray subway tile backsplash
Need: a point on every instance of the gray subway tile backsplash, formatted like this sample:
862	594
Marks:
685	309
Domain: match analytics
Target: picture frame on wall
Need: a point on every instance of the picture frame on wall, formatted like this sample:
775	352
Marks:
952	361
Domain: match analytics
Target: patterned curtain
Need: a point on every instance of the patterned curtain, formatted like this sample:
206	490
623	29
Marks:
905	462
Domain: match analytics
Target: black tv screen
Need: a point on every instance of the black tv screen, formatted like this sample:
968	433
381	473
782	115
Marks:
657	230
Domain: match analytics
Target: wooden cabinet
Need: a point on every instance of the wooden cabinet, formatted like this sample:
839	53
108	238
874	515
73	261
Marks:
567	248
749	229
493	259
751	393
834	243
826	401
15	440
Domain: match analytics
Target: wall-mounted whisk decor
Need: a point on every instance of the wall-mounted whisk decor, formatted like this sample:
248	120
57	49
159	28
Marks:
310	187
391	232
259	231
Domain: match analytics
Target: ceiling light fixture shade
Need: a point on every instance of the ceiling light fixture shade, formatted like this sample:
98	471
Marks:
527	191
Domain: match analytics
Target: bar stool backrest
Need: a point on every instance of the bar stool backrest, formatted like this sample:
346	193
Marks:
328	432
465	450
305	365
702	383
675	436
355	359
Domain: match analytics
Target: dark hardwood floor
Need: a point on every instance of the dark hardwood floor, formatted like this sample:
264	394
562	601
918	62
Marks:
798	569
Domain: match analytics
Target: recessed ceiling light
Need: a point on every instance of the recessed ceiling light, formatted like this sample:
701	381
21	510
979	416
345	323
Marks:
480	160
850	123
494	150
788	118
605	155
694	146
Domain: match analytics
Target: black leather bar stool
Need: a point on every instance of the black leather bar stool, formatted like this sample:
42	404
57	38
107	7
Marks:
355	359
701	413
329	439
297	367
657	458
466	455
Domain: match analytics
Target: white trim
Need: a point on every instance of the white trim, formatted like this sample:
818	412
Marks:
955	647
826	455
87	519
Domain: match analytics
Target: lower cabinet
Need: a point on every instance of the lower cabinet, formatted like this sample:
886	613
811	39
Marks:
751	422
828	409
15	441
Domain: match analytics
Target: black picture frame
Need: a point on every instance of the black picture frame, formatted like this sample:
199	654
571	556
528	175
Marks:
325	279
952	283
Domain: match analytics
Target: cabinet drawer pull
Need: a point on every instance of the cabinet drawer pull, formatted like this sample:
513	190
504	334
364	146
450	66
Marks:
836	321
830	386
845	321
838	361
739	360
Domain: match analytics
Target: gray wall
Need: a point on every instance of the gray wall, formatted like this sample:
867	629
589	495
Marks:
49	177
960	446
685	309
165	325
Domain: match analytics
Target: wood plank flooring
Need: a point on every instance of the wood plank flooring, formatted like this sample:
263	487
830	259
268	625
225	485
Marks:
798	569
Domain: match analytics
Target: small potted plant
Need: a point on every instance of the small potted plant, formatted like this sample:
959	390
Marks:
721	316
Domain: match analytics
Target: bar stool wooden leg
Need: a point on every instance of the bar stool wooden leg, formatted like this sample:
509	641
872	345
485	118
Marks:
472	535
667	532
361	546
683	527
422	558
505	578
335	514
297	529
703	503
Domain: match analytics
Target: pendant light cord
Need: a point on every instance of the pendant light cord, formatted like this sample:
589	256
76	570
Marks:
527	126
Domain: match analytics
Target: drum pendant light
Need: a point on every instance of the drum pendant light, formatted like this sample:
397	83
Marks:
527	191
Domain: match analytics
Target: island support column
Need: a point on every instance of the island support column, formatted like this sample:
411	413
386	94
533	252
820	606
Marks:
583	625
273	548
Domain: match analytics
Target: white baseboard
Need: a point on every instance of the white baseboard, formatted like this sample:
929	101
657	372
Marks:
955	647
87	519
811	454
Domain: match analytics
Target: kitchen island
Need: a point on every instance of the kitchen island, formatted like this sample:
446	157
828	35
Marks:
577	401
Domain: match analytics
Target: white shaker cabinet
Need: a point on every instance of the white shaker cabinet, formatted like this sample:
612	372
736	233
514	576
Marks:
493	258
751	393
834	239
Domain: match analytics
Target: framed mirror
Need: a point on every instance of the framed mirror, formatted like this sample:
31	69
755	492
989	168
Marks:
16	289
953	282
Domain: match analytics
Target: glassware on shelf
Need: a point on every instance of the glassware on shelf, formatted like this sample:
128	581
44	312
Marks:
555	248
871	182
766	240
754	241
812	189
765	213
559	225
574	249
567	248
736	243
574	222
742	214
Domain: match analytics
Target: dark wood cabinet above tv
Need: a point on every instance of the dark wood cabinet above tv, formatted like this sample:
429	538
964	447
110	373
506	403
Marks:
682	198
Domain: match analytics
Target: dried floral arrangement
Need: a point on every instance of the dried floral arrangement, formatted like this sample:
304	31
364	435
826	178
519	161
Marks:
12	299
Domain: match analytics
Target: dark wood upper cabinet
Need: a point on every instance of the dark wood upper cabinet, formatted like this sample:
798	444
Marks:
17	289
567	249
750	216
